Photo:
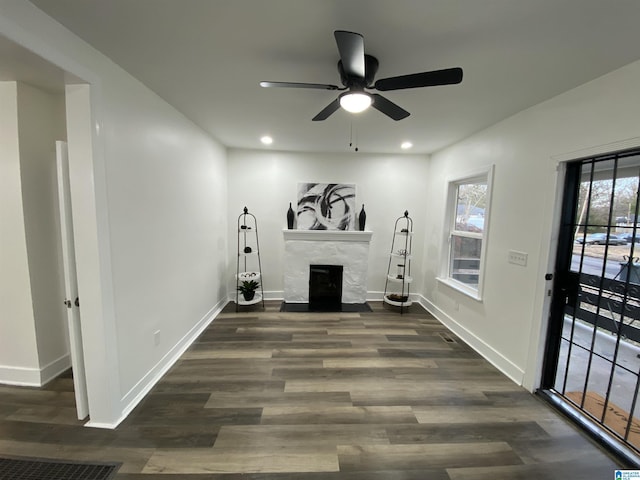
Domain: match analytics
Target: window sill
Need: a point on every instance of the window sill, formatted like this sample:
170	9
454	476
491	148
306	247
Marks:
461	287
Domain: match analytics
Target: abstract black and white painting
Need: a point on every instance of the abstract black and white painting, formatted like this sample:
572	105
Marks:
326	206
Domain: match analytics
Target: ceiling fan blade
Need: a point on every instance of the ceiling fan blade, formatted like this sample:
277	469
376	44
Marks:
351	48
448	76
388	107
327	111
319	86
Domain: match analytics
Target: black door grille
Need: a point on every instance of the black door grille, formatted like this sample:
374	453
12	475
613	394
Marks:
592	360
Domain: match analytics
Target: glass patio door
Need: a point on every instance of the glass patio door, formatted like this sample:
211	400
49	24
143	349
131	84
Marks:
593	345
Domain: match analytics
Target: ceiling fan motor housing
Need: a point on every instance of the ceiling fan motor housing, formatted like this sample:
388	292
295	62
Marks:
370	70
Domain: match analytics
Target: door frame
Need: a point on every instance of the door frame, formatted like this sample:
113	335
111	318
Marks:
85	107
561	263
545	377
87	178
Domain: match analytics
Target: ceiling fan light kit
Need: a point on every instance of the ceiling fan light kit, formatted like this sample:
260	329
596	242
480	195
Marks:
357	72
355	102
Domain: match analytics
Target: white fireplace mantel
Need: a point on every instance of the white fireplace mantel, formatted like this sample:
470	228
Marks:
328	235
326	247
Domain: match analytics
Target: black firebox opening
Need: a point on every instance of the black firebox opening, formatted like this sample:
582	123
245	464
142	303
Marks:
325	288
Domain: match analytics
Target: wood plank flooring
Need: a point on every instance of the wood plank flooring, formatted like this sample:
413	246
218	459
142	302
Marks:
266	395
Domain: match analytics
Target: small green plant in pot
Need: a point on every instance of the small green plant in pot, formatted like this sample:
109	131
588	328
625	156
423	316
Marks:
248	289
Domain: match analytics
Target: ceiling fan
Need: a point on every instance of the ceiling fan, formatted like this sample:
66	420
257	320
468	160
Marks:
357	72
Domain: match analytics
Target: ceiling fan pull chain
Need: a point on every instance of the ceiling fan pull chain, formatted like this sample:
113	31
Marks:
355	136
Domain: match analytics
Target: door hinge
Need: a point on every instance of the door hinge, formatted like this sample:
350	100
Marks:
67	303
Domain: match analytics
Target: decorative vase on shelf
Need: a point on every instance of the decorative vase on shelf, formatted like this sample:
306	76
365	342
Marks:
362	219
290	217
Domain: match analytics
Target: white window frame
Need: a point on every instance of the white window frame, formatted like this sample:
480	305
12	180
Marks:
482	175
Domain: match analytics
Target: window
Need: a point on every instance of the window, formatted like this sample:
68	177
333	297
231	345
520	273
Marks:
466	229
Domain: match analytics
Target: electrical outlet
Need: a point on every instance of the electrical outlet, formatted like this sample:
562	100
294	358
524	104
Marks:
156	337
518	258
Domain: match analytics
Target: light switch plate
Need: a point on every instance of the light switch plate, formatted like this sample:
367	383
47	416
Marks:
518	258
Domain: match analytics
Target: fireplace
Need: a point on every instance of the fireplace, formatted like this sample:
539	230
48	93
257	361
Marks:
306	248
325	288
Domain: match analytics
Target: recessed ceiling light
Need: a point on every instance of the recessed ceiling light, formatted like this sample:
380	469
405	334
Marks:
267	140
406	145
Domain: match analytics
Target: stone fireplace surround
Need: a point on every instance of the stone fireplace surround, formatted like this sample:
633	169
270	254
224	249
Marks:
303	248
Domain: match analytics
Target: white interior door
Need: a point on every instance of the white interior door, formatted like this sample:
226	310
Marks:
70	282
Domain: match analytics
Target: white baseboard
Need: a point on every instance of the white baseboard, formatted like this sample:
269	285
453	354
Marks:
138	392
274	295
55	368
371	296
19	376
374	296
494	357
378	297
34	377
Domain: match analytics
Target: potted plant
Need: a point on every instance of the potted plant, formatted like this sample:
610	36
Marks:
248	289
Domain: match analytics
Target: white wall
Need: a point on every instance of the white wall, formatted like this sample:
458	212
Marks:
33	335
152	254
18	348
266	182
41	122
166	184
508	325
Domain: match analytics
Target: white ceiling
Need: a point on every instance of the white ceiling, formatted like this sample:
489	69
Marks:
206	57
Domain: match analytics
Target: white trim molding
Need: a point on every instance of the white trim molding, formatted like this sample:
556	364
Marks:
515	373
153	376
626	144
328	235
34	377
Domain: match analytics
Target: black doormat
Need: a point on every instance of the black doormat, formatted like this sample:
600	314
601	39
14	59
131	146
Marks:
22	468
345	307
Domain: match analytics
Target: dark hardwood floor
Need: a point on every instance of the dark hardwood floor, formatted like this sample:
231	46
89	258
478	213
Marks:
318	396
